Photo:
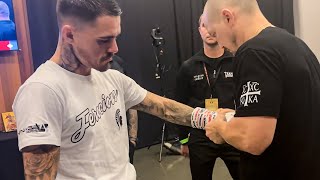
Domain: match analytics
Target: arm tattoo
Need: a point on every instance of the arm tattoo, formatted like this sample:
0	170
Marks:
166	109
133	125
69	60
41	162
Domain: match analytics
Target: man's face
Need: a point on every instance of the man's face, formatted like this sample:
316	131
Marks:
218	24
95	44
208	38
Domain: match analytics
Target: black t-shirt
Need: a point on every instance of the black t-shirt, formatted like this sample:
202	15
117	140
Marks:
277	75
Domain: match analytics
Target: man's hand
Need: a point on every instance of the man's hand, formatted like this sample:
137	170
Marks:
184	150
219	122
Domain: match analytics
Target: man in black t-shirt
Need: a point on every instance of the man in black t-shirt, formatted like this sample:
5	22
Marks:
207	77
277	81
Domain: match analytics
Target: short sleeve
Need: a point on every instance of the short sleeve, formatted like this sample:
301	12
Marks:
39	115
133	93
258	83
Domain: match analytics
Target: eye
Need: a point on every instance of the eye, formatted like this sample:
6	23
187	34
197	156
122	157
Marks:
103	41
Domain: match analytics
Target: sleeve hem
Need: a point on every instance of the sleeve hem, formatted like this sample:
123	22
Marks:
138	100
253	112
35	142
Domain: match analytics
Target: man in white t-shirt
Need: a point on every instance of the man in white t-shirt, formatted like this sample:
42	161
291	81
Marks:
71	113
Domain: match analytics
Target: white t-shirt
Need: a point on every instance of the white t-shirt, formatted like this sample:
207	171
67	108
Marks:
84	115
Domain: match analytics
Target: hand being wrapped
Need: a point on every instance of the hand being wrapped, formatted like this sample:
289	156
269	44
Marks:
223	116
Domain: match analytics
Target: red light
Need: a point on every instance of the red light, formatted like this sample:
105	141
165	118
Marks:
4	45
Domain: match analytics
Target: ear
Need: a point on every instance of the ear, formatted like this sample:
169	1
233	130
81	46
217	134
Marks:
67	33
228	17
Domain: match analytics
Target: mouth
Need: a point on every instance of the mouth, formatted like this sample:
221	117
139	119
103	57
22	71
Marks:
107	59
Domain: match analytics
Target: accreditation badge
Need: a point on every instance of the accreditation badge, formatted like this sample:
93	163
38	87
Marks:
212	104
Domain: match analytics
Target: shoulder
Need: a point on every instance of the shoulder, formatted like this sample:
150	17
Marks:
47	74
271	40
192	61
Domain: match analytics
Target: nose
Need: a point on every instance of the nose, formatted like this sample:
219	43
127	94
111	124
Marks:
114	47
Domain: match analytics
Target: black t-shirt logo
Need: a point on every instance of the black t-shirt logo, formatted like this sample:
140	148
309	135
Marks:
250	93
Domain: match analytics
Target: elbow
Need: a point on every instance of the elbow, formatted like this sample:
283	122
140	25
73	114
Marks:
256	147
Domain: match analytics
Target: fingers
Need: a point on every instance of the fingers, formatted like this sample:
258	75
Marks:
224	111
184	150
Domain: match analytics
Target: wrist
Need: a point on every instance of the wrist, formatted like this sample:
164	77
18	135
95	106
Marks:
221	127
133	140
200	117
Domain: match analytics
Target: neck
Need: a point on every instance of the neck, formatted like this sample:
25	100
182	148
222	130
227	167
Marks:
213	51
65	57
256	22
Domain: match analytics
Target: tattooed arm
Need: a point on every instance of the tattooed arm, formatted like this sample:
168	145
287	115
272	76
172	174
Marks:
133	125
41	162
166	109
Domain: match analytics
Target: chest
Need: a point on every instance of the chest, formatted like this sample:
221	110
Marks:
92	112
205	76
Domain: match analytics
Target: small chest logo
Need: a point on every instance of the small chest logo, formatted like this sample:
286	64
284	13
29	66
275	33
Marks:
118	118
250	93
198	77
228	74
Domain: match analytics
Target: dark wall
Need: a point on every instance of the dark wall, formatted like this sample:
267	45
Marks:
178	22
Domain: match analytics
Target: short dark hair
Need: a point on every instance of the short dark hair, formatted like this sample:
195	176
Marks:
86	10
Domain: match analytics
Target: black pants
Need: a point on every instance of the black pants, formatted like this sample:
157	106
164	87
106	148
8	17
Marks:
203	156
131	151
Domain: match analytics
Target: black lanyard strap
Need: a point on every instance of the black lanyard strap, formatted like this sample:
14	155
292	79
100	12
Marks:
215	77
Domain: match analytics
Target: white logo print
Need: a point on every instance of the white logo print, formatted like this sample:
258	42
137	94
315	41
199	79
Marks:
228	74
198	77
250	93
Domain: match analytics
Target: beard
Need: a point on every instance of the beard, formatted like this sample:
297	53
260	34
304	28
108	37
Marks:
96	63
108	57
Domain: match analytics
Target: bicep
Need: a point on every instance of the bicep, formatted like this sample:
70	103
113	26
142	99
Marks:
41	122
150	104
133	92
258	80
41	161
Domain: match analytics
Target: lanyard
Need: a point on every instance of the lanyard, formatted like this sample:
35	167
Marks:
215	76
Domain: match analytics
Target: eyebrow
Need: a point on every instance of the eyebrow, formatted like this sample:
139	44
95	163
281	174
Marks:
107	37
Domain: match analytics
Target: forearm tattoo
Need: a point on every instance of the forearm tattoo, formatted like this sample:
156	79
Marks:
133	124
166	109
41	163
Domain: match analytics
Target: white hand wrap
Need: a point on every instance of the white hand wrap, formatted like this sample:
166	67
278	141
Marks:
200	117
